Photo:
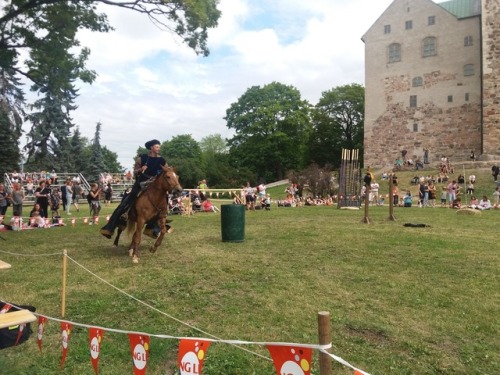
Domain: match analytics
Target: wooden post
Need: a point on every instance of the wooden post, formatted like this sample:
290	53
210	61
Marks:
325	362
366	219
391	201
63	297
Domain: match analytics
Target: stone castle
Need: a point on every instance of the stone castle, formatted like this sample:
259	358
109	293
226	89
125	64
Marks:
431	78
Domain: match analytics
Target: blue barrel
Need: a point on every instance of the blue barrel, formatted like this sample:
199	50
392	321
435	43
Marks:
232	220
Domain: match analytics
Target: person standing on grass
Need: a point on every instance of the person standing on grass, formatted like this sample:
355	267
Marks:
17	199
69	195
42	194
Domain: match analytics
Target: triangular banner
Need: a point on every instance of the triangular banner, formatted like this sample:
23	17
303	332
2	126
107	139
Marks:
41	327
191	356
291	360
22	327
95	338
139	348
66	331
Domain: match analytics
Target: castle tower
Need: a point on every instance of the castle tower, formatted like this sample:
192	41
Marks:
491	76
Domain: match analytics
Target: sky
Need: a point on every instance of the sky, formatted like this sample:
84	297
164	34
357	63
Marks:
152	86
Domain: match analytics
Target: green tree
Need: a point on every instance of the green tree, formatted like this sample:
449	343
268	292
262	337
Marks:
215	161
184	153
38	42
271	125
338	122
97	164
11	112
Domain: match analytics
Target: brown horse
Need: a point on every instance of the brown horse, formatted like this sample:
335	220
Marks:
150	205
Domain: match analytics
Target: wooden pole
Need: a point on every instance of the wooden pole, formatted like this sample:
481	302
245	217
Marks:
391	201
63	297
325	362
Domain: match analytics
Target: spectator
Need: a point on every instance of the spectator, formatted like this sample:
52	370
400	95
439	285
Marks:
374	187
95	205
452	191
18	198
37	216
55	201
77	193
495	170
250	197
473	203
30	189
209	207
4	200
408	199
485	203
42	194
108	194
496	197
457	203
69	195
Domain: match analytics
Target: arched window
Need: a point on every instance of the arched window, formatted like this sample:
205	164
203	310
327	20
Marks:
417	81
429	47
394	52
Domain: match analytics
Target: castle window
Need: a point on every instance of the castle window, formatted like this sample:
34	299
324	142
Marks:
469	70
466	96
450	98
413	101
429	47
415	127
394	52
431	20
417	81
468	41
387	29
408	25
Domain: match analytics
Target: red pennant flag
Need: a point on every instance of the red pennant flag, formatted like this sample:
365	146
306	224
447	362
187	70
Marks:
356	372
85	220
73	222
5	308
291	360
66	331
22	327
41	327
47	223
95	337
139	347
191	356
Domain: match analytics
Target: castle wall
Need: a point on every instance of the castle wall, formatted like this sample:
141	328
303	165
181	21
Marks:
447	116
491	76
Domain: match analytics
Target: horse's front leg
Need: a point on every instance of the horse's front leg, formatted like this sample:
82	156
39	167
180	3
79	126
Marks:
162	223
136	240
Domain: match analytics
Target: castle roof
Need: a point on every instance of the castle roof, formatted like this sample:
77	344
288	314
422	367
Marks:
462	8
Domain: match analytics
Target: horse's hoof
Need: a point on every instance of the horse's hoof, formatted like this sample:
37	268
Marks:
131	252
135	259
152	249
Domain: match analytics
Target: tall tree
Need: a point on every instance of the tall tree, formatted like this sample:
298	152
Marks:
11	112
97	164
38	41
338	121
184	153
271	125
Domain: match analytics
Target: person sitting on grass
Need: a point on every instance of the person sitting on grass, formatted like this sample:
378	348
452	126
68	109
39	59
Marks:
474	202
485	203
457	203
408	199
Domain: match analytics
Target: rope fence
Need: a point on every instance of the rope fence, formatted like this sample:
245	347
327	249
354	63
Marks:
323	325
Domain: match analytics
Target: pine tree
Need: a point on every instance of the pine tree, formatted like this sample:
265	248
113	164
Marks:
97	165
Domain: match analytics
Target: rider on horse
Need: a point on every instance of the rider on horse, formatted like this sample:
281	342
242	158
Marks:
146	167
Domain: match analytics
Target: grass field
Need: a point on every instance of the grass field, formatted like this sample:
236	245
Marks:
402	300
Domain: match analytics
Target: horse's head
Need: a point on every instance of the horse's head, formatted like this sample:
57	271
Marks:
171	180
